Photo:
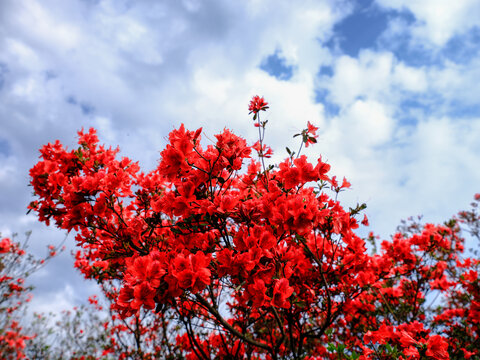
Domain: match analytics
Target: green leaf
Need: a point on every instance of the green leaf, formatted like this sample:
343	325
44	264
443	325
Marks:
300	304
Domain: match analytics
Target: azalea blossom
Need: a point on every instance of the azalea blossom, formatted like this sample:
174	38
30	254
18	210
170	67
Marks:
256	104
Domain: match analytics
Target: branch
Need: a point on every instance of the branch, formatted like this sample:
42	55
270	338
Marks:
280	325
229	327
325	284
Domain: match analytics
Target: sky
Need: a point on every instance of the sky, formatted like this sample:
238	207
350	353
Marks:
392	85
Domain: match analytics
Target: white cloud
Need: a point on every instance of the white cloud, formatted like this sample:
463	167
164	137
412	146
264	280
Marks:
368	119
424	167
409	78
437	21
458	83
373	75
7	170
104	126
39	23
428	171
21	54
65	299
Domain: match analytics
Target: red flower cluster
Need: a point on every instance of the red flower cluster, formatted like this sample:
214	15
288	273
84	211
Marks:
12	341
266	259
257	104
309	135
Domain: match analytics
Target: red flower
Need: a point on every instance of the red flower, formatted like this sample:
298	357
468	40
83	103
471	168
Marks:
379	336
365	220
467	354
257	292
312	130
256	104
322	169
125	296
310	134
437	348
145	269
345	184
192	271
281	292
5	245
263	151
143	295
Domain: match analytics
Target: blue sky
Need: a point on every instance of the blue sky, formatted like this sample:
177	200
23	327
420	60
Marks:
392	85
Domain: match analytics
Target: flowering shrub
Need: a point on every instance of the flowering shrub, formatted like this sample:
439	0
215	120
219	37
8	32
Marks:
245	260
87	332
15	266
91	331
145	335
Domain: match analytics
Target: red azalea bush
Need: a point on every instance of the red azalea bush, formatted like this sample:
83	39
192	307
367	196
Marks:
239	259
144	335
92	331
15	266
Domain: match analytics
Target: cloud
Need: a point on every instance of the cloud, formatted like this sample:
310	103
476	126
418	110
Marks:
437	21
377	75
457	82
401	130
